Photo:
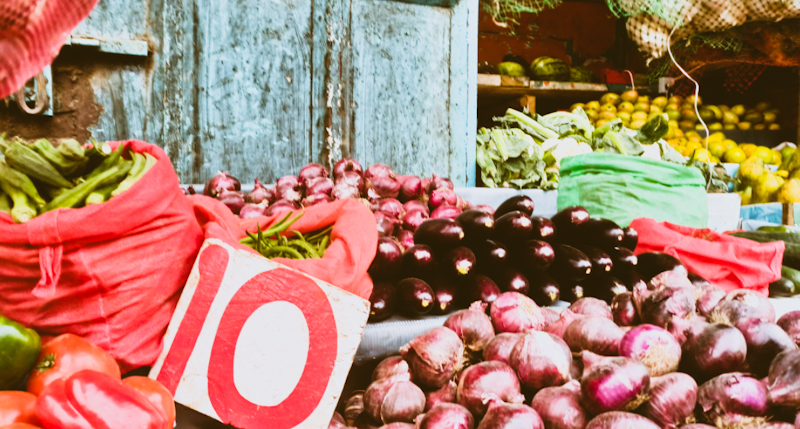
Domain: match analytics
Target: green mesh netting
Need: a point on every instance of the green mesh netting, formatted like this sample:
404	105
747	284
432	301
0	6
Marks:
728	41
505	12
670	11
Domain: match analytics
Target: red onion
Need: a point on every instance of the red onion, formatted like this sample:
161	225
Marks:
382	187
515	312
733	399
611	383
591	307
233	199
743	304
596	334
385	226
683	329
667	295
289	188
764	342
784	379
501	346
337	422
511	416
391	206
717	349
259	194
394	399
406	238
698	426
708	296
473	326
398	425
315	200
656	348
413	219
347	165
550	316
790	322
446	212
415	204
364	421
379	170
621	420
434	357
354	407
281	207
485	380
443	197
624	310
250	211
410	187
560	407
558	327
221	182
672	400
394	366
319	185
447	394
343	191
441	182
312	171
427	186
541	360
447	416
776	425
190	191
351	178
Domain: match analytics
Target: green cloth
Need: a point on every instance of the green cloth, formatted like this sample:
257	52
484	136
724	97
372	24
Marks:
622	188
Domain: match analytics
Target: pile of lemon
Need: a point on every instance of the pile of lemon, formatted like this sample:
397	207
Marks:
631	108
723	149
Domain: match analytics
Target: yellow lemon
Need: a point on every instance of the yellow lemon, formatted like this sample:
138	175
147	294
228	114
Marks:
776	157
575	106
701	155
716	137
764	153
735	155
608	108
748	148
625	116
717	148
638	116
635	125
625	106
730	144
592	105
607	115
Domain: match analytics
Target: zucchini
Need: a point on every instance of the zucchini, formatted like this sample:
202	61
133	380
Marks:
781	288
791	256
791	274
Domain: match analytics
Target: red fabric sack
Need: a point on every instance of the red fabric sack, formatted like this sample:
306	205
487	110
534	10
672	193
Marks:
111	273
354	238
728	262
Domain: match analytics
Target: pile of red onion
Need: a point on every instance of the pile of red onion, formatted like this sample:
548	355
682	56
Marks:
511	364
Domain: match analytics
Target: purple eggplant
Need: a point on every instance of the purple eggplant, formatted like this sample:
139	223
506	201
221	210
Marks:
414	296
622	259
512	228
445	294
534	255
652	264
477	225
491	255
603	286
479	288
382	301
544	289
543	229
567	222
520	203
418	261
440	234
458	262
571	291
570	264
510	280
388	259
601	233
631	239
601	261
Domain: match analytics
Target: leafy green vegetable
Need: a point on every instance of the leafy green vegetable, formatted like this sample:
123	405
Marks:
717	179
618	142
571	124
653	131
510	158
519	119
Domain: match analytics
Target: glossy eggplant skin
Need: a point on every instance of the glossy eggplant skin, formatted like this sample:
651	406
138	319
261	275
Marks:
543	229
491	255
445	295
652	264
458	262
567	222
512	228
382	301
518	202
509	279
544	289
622	259
388	259
419	261
601	233
603	286
571	292
631	239
477	225
415	296
534	255
629	278
479	288
439	234
601	261
570	264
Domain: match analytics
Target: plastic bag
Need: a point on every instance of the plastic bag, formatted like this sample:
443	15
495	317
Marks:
111	273
354	238
728	262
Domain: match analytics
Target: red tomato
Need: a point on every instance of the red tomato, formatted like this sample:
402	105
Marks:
66	355
156	393
19	426
17	407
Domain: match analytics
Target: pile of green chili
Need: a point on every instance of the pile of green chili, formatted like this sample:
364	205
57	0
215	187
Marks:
272	243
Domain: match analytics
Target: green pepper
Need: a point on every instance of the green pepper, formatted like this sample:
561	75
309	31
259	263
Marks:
19	351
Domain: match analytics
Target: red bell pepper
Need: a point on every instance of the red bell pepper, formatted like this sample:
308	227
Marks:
93	400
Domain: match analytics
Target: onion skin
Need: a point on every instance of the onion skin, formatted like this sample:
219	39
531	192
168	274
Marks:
733	399
717	349
621	420
222	181
394	400
382	187
672	399
353	179
511	416
414	218
398	425
784	379
656	348
560	407
473	326
416	204
566	318
250	211
434	357
379	170
344	191
443	197
610	383
743	304
623	310
595	334
764	342
259	194
392	367
500	348
337	422
667	295
550	316
406	239
481	380
698	426
790	322
441	182
447	416
708	296
592	307
391	207
447	394
315	200
541	360
410	187
312	171
233	199
347	165
515	312
446	212
683	329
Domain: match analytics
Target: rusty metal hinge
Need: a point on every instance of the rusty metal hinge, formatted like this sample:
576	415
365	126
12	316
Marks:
41	94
